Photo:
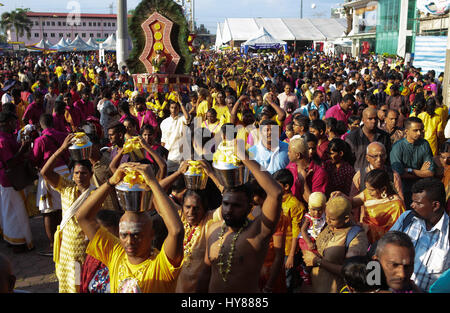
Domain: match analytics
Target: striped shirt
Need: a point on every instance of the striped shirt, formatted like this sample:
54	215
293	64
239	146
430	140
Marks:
432	248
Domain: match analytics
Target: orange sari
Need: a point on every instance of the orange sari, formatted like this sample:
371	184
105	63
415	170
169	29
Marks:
380	214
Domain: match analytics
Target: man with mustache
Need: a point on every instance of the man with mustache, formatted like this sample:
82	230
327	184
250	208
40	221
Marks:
395	252
235	247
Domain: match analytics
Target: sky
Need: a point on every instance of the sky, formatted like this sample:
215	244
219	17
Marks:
207	12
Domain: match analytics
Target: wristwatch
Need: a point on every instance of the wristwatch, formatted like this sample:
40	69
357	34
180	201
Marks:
409	170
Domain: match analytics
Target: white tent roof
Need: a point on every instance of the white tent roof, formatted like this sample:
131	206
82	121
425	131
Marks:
93	43
263	37
43	45
78	44
219	30
314	29
61	44
110	42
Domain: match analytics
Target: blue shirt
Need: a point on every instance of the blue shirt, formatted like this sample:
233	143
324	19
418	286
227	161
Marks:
271	161
312	106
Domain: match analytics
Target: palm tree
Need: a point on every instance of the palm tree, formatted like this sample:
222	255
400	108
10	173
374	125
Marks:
18	20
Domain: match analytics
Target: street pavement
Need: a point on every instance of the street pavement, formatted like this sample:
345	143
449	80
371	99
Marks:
34	273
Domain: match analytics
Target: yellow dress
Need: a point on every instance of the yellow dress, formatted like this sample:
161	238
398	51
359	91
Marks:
381	214
73	244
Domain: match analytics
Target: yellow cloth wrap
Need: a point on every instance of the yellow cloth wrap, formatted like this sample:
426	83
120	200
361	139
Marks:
225	154
133	145
80	139
134	178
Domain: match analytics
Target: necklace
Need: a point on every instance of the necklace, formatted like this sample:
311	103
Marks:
189	241
224	272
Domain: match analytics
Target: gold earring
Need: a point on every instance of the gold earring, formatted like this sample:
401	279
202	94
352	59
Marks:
384	195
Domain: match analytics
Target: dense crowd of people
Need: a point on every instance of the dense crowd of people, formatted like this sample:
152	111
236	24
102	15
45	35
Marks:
349	161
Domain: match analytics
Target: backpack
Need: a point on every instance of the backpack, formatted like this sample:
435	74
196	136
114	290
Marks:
352	233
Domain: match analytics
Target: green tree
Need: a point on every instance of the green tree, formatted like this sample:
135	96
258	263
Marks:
18	20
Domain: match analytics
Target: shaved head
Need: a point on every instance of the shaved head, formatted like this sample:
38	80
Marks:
338	207
368	111
136	235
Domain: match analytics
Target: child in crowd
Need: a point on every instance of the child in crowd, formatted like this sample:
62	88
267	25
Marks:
355	273
95	274
294	210
289	132
312	224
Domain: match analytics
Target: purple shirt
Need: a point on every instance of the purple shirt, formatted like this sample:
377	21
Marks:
60	124
8	148
33	113
86	108
75	114
337	112
147	117
44	147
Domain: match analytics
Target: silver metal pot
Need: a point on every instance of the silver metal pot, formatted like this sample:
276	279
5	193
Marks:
134	198
79	153
195	181
230	175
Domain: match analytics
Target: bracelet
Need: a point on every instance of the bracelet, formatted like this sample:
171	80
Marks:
109	184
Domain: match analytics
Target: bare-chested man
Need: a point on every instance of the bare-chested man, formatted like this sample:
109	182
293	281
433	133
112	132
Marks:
235	247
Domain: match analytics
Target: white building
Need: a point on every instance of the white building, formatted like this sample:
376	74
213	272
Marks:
54	26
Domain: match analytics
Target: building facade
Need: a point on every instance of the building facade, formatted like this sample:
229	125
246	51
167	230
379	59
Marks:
396	27
364	25
54	26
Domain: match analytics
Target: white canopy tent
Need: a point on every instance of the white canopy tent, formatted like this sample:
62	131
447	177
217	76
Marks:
263	40
286	29
61	44
110	43
78	44
43	44
93	43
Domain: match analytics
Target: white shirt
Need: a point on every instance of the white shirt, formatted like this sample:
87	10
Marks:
172	133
